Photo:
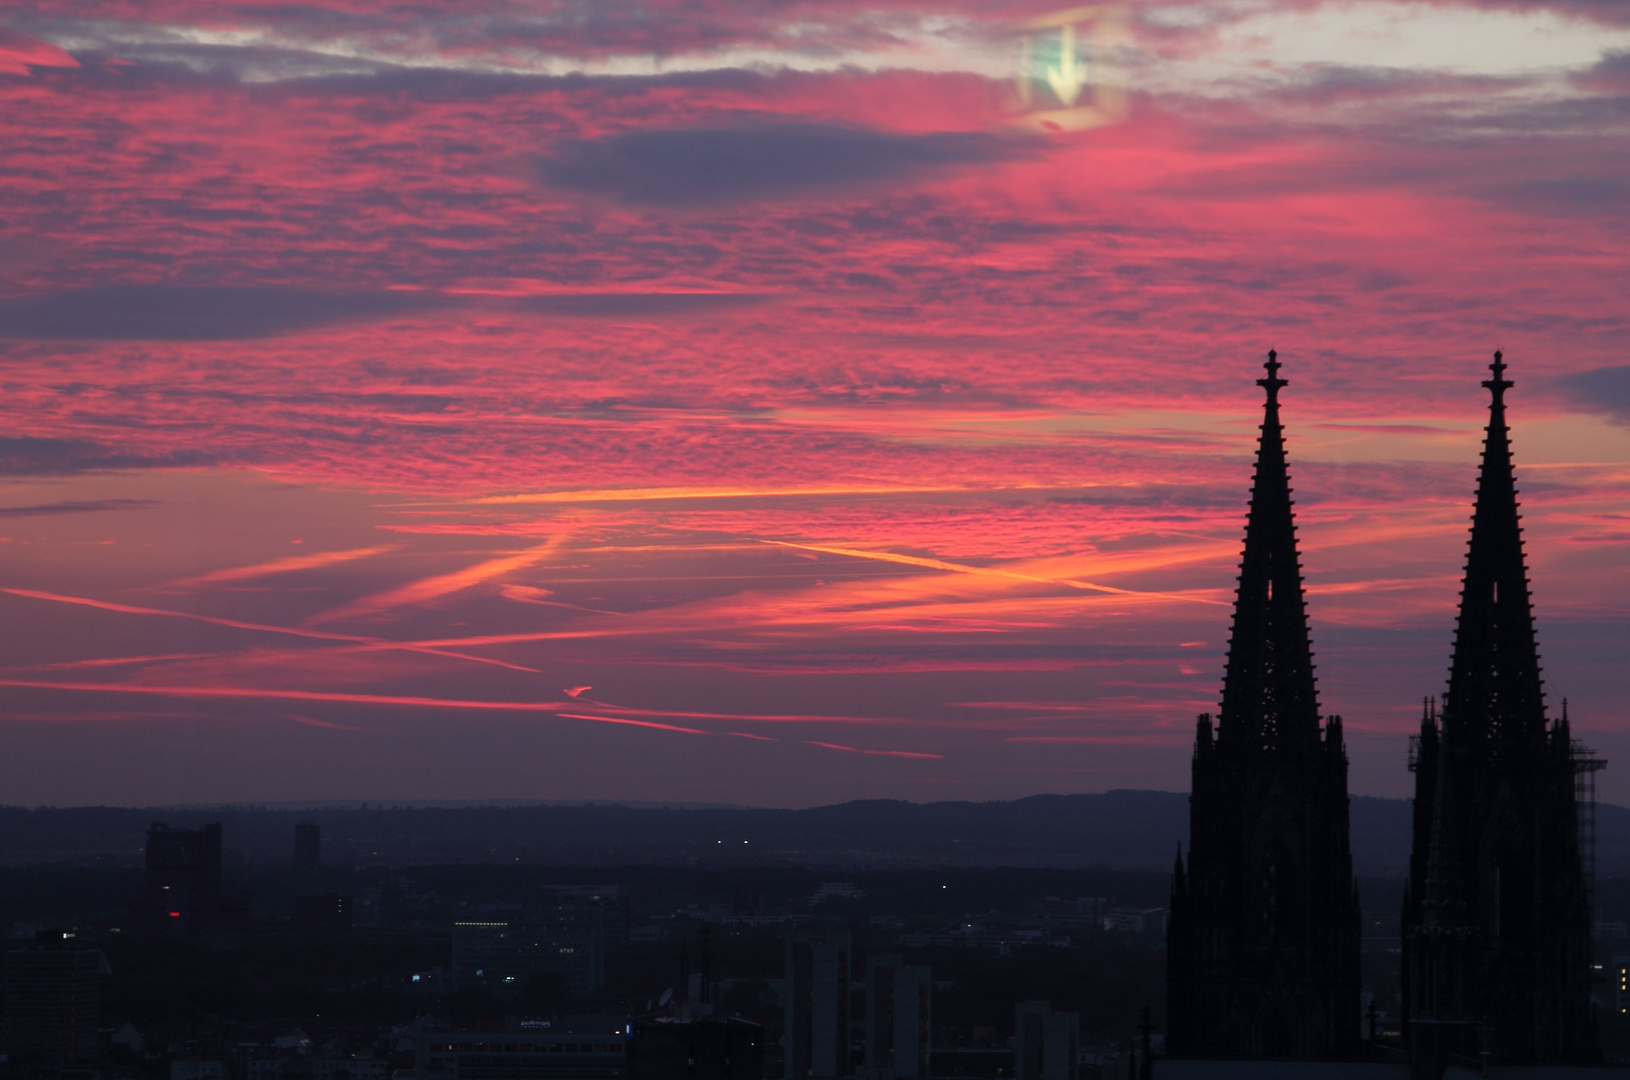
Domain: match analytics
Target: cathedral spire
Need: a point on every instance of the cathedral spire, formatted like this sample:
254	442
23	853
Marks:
1497	927
1263	940
1494	683
1268	689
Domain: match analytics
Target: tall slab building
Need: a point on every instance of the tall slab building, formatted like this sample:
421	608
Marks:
1263	942
817	1034
1496	920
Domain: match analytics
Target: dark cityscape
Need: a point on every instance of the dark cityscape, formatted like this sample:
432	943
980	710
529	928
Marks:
814	540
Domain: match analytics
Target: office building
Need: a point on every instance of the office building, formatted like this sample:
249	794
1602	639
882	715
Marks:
327	914
695	1048
573	1048
53	992
1046	1044
567	938
816	1035
899	1018
183	885
308	845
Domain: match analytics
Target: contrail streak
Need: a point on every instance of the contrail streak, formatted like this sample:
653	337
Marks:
658	494
624	714
280	566
433	588
878	753
987	571
114	661
641	723
319	635
241	692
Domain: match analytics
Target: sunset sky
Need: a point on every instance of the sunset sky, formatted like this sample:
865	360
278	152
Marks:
764	403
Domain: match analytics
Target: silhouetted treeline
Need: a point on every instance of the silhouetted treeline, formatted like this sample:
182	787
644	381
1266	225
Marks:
1121	830
1126	830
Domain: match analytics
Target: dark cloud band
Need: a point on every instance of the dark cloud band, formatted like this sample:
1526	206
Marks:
721	165
1600	390
195	313
77	506
191	313
35	456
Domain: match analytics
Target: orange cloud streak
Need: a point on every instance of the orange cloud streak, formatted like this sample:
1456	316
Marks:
659	494
281	566
319	635
988	571
876	605
433	588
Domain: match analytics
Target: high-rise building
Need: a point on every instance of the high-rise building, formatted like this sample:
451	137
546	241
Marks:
503	956
899	1016
327	914
1496	920
816	1034
1263	937
1046	1044
308	845
567	937
581	1047
183	876
607	900
53	995
695	1048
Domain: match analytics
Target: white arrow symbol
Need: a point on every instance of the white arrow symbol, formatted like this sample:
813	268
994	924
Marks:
1071	75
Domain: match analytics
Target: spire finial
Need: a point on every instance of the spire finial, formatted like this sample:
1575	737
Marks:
1273	382
1499	384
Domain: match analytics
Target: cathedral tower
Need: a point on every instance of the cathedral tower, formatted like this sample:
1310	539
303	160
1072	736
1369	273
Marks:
1263	942
1496	919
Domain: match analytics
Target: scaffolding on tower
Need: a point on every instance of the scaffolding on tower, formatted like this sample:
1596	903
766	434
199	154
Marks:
1586	764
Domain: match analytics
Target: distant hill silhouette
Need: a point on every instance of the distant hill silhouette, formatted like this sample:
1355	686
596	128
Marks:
1119	830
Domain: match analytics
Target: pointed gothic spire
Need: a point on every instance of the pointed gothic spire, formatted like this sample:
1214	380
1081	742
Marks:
1494	683
1268	689
1497	940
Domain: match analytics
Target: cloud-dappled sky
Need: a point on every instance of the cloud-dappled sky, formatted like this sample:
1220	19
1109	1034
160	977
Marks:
748	403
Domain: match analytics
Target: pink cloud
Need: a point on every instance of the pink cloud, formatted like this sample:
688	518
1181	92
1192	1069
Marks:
19	54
